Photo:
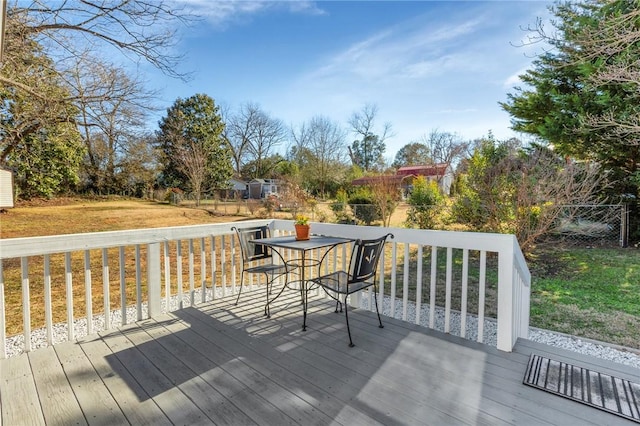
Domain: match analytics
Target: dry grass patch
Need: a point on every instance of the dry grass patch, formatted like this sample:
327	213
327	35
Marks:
80	216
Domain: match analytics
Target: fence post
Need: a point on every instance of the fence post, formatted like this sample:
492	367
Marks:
153	280
624	225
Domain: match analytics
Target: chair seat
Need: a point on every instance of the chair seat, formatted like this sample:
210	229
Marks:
338	282
267	269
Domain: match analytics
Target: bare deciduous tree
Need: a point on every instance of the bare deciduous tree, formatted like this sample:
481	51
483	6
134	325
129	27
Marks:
525	192
112	108
366	152
611	39
253	137
44	37
192	161
445	148
238	132
320	144
549	192
269	133
386	193
140	167
142	29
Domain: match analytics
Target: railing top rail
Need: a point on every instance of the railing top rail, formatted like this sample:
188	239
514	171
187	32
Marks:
462	240
521	264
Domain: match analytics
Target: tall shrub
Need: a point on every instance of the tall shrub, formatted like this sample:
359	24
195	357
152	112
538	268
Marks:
363	205
424	202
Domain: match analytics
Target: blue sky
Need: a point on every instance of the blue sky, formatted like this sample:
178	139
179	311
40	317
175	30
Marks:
425	64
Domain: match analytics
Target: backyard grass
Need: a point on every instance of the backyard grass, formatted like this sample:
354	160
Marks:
78	215
592	293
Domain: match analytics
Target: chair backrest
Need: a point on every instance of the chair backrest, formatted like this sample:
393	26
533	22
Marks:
251	251
364	258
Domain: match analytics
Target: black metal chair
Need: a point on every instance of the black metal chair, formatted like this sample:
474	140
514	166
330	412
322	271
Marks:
361	274
258	259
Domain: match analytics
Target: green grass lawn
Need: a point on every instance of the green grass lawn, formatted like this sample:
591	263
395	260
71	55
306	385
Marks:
593	293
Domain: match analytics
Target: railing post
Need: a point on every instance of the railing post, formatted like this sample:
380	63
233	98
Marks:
505	332
525	300
153	280
522	278
3	323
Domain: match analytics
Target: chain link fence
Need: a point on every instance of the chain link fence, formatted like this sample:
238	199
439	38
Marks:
592	225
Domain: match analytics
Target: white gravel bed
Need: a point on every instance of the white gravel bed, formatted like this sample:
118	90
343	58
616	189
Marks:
15	344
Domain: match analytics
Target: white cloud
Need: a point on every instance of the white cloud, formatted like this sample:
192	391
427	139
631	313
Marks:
514	79
225	12
305	7
441	65
456	111
412	50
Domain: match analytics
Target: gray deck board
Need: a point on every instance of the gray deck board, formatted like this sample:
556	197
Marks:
246	370
18	394
58	402
222	364
170	398
226	373
411	384
124	389
97	404
290	373
217	408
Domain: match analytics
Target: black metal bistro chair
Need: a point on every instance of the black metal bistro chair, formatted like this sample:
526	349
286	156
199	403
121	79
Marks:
361	274
258	259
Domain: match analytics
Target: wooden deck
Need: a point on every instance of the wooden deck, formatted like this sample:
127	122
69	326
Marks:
222	364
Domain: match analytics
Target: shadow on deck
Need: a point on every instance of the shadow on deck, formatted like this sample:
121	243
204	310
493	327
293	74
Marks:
225	364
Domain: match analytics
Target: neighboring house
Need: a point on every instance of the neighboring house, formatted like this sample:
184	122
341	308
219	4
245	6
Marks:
238	188
263	188
6	189
441	173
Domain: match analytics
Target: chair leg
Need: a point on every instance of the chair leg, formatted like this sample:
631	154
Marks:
240	291
375	296
346	315
267	311
338	303
267	308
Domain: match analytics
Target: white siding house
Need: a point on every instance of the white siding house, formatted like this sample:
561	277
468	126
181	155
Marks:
239	188
6	189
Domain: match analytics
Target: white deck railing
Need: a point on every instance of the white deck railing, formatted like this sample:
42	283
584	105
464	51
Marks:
146	268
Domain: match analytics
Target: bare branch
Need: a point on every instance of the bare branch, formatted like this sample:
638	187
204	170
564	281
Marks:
146	29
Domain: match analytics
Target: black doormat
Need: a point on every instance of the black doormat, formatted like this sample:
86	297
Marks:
602	391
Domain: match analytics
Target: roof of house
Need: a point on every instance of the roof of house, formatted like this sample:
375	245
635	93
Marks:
391	179
266	181
423	170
